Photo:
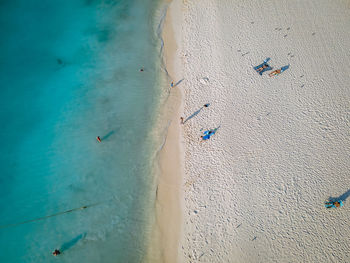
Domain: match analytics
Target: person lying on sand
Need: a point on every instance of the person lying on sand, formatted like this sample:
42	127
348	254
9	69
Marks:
278	71
333	204
264	66
275	72
207	134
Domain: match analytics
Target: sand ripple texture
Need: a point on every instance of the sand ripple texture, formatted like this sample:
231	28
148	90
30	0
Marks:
254	192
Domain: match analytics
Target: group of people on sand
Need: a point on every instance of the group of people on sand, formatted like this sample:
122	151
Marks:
265	67
260	69
206	134
273	73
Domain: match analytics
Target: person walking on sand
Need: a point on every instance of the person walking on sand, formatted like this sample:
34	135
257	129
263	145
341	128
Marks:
172	84
181	120
98	139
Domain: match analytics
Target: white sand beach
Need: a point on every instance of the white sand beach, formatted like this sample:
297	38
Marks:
255	191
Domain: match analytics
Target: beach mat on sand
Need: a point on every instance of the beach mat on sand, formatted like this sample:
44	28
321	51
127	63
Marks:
261	65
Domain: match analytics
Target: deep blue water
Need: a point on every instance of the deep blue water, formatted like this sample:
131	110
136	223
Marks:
69	72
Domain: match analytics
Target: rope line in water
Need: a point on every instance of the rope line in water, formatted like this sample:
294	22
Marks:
45	217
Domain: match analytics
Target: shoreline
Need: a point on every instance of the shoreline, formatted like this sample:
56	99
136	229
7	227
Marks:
165	243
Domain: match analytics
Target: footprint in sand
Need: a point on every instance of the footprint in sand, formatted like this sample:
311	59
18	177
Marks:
285	35
189	183
313	33
288	28
252	22
243	53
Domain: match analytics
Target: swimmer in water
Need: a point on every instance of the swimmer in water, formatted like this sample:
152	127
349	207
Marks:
98	138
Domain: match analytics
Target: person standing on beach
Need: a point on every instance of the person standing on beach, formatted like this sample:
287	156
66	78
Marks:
181	120
172	84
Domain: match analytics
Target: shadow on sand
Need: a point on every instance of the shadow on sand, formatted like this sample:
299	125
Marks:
178	83
342	197
193	115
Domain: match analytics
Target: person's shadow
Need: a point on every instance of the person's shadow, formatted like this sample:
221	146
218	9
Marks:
72	242
105	137
193	115
178	83
342	197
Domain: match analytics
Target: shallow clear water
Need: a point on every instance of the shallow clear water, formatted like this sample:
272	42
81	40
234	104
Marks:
70	71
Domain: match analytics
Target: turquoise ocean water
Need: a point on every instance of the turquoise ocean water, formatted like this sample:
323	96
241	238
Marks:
69	72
